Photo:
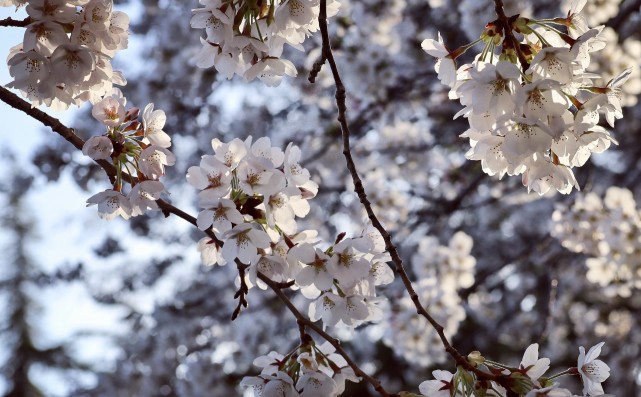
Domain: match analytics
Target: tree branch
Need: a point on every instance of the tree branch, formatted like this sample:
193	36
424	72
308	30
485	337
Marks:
20	23
509	36
333	341
70	135
360	191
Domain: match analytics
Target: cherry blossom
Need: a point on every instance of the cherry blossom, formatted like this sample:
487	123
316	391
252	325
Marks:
242	242
98	148
111	204
143	197
441	386
593	372
153	121
154	159
534	366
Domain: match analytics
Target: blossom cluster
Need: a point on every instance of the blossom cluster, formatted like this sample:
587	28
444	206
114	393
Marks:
308	371
247	37
251	194
533	109
65	57
609	231
138	151
526	380
440	271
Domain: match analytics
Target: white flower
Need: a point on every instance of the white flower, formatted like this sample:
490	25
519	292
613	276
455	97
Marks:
592	371
523	139
53	10
44	37
111	110
347	265
552	63
539	99
210	252
272	266
255	178
243	241
97	14
111	204
294	13
217	24
349	310
71	64
488	148
230	153
143	197
316	384
588	42
153	161
28	67
542	174
440	387
262	149
491	88
314	277
279	385
578	25
271	70
212	177
534	366
295	173
269	363
98	148
153	121
220	214
445	65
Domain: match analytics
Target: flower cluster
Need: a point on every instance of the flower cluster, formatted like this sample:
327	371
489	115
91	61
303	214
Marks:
308	371
247	37
533	110
526	380
440	272
609	231
65	57
138	150
251	194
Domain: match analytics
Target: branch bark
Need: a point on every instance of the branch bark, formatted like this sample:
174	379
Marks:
20	23
333	341
508	35
327	55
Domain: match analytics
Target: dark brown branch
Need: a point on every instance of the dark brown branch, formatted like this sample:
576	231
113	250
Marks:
360	191
15	101
69	134
508	36
15	22
243	289
333	341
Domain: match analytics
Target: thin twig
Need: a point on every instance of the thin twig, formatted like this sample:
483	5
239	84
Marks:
360	191
70	136
508	35
19	23
333	341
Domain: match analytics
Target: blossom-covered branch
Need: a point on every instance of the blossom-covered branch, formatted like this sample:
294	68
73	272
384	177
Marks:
360	191
333	341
